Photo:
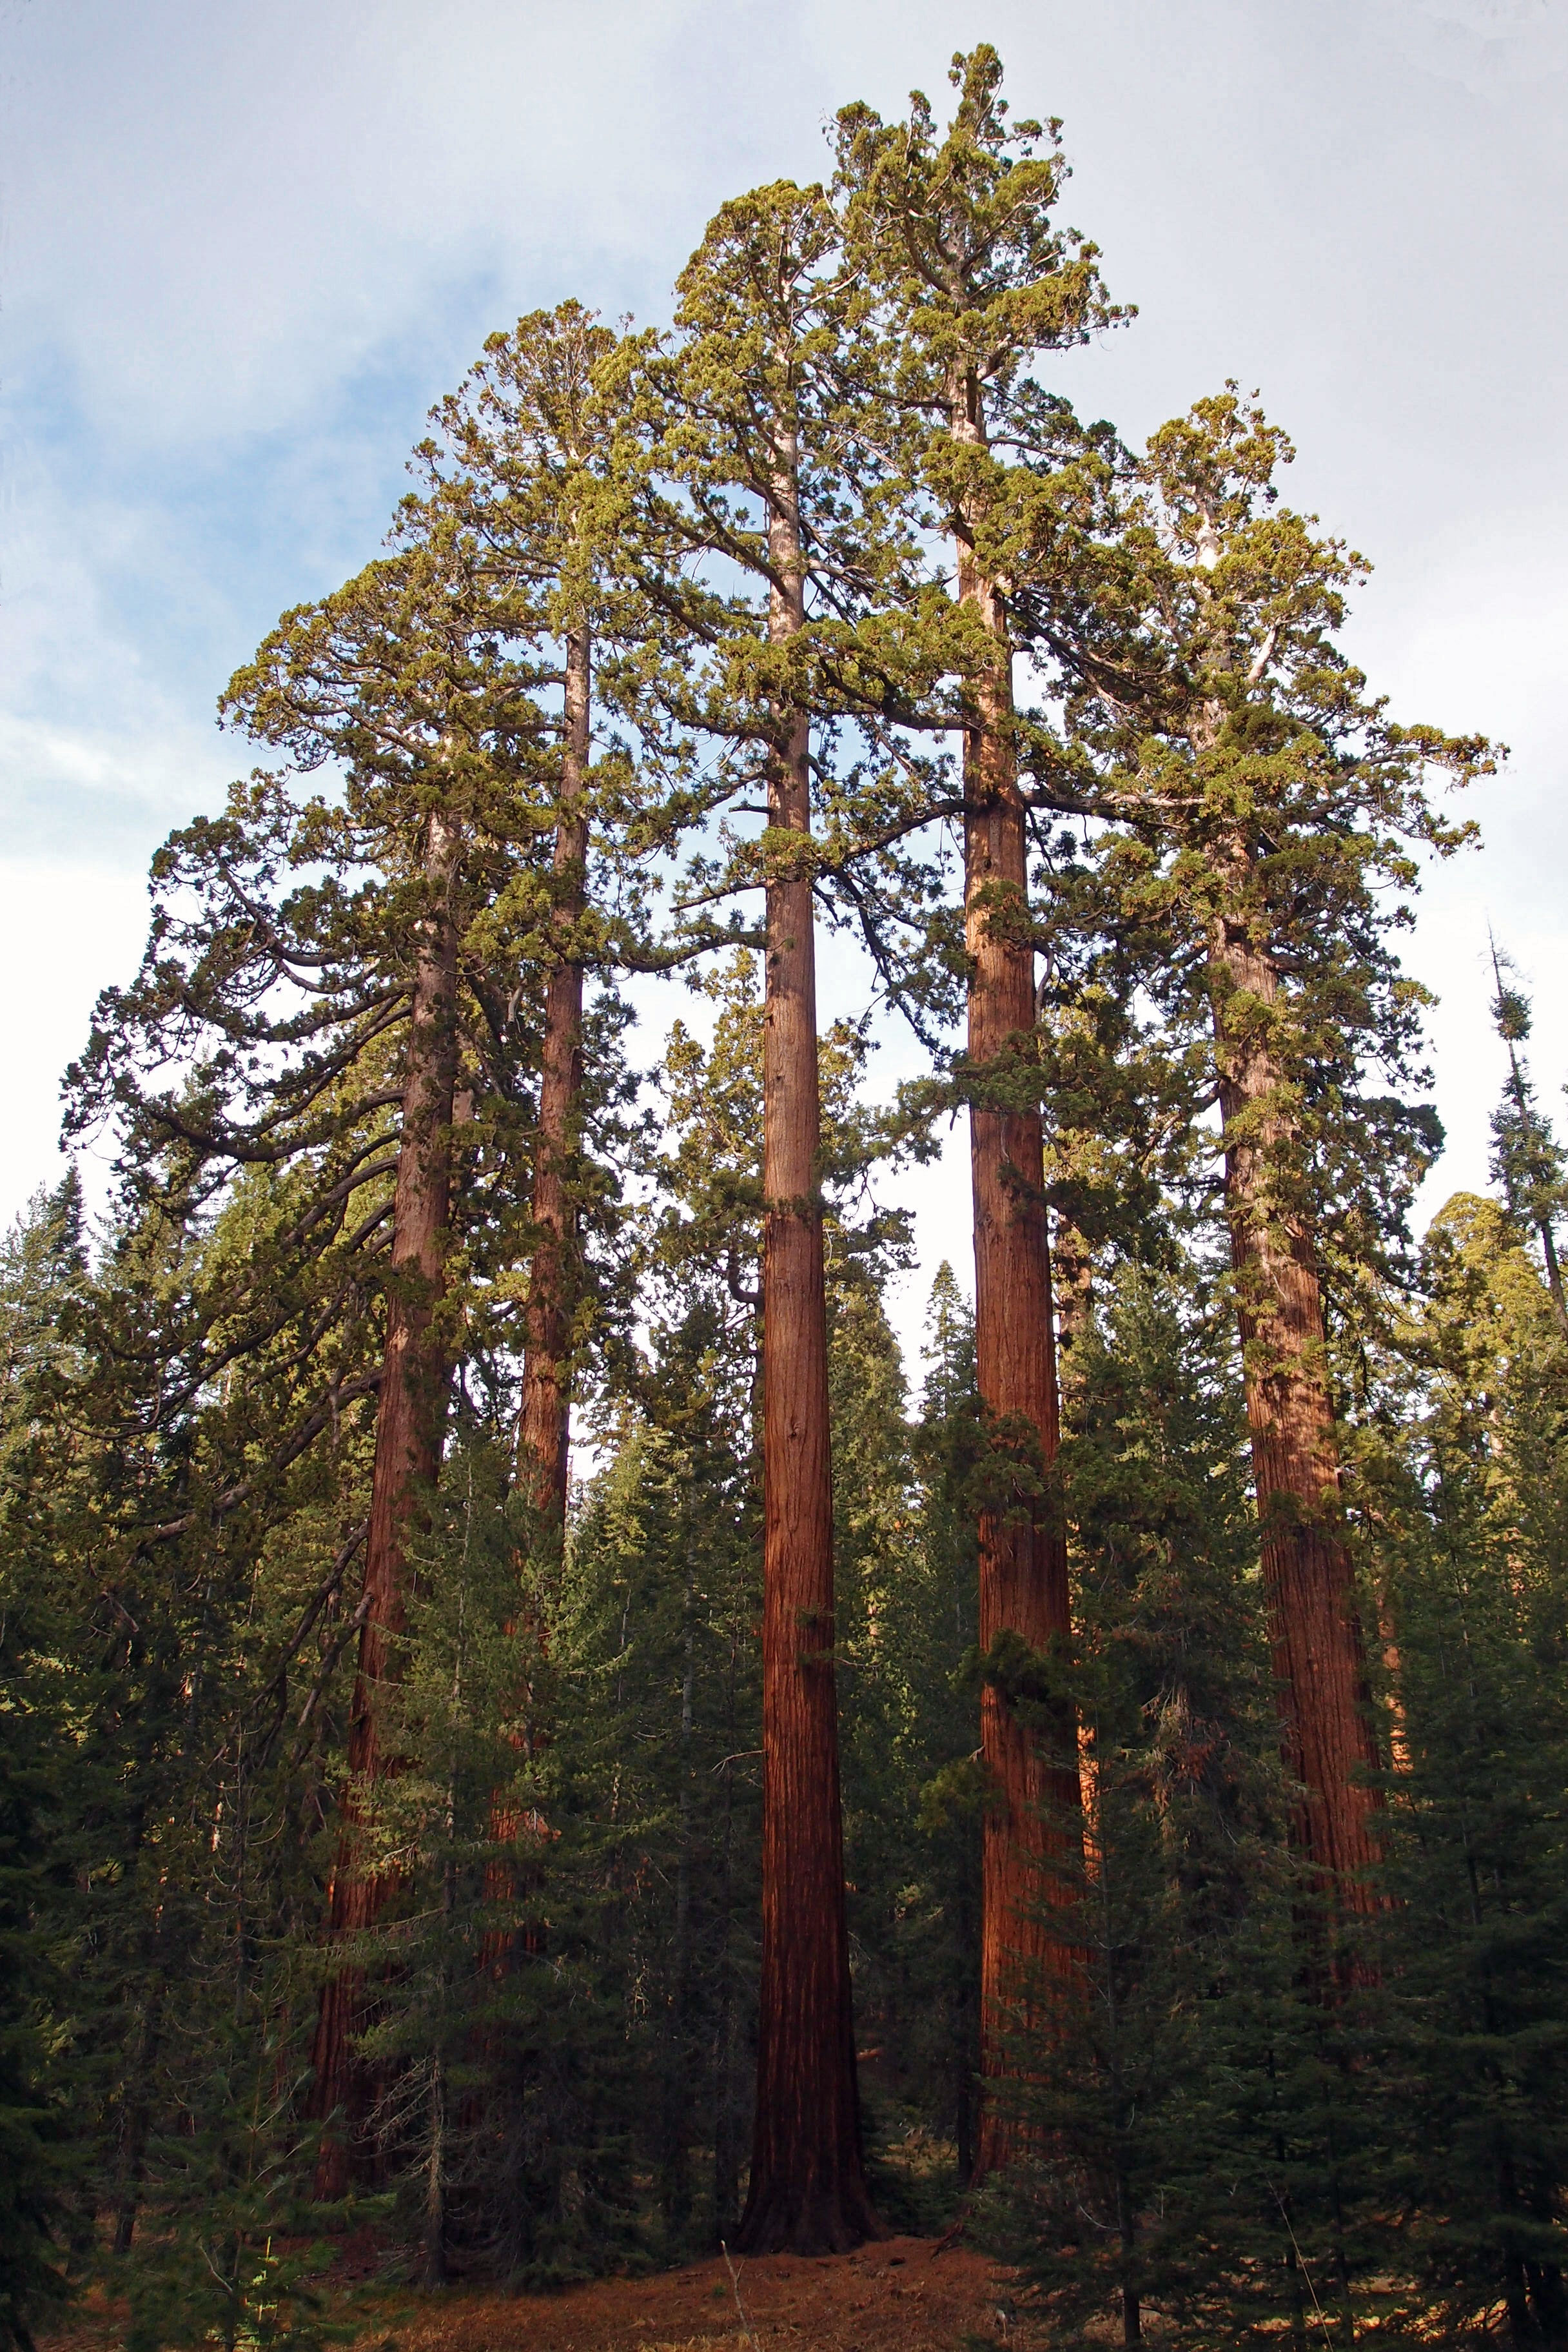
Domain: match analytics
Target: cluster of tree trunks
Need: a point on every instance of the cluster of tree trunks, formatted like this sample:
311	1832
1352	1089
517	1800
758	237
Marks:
807	2190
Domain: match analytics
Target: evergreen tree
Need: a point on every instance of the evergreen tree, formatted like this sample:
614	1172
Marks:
753	439
956	236
42	1272
392	1205
1465	1496
400	675
1260	797
914	1785
1527	1160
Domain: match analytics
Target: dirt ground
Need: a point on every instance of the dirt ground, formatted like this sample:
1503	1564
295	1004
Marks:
898	2297
906	2294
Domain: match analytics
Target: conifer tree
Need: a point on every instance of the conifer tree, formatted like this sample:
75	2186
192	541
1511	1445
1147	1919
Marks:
731	593
915	1789
33	2152
399	676
1180	1800
956	235
754	429
527	457
43	1271
1264	798
1527	1160
521	460
1460	1479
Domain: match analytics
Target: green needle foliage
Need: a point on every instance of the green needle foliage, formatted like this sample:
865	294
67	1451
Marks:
1527	1160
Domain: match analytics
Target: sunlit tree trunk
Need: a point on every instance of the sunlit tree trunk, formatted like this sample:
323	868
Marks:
410	1412
1033	1837
807	2187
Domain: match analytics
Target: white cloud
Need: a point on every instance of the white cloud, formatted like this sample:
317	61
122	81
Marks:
246	204
66	932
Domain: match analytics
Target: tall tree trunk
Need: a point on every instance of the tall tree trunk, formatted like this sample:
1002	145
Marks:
544	1423
1032	1841
807	2188
409	1416
1319	1667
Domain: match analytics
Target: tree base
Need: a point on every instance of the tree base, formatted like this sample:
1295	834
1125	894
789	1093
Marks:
789	2220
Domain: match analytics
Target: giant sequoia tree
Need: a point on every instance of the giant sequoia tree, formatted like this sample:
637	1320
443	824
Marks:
526	460
1267	802
400	677
973	281
752	436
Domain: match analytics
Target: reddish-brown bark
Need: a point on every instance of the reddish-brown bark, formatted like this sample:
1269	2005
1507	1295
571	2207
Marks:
1319	1665
544	1422
1033	1840
407	1456
807	2190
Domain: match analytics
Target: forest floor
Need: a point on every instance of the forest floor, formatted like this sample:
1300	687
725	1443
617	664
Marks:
904	2295
898	2297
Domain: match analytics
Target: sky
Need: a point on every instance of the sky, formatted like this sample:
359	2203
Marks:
243	249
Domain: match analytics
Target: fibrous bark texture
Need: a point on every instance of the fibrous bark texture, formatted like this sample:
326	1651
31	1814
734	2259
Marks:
1319	1667
407	1456
807	2190
1033	1835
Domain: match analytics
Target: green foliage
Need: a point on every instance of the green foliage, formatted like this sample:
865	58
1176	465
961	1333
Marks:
1263	813
35	2163
1467	1525
1527	1162
232	2260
